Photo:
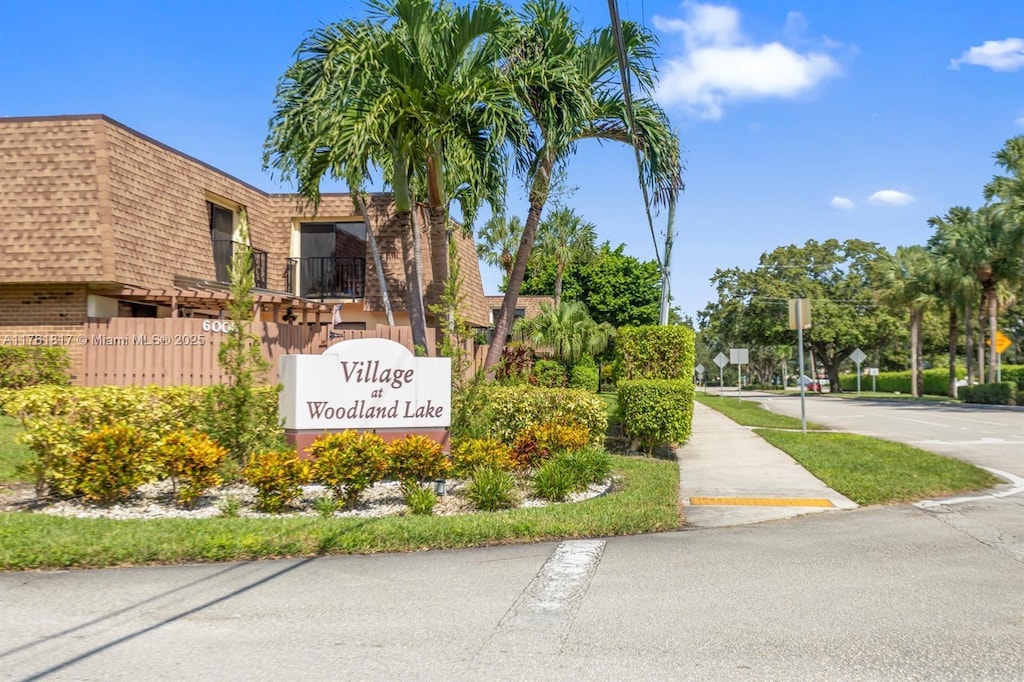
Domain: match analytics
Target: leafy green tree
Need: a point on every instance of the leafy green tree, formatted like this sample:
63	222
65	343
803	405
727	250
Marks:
752	304
616	288
564	238
567	330
569	89
234	408
906	281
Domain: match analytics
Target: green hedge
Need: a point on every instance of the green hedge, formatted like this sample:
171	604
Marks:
22	366
513	408
655	352
1003	393
936	381
656	411
1014	373
584	375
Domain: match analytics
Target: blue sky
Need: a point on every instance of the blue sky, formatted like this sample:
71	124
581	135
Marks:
799	120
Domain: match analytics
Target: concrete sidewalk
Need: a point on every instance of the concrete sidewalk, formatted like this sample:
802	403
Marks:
729	476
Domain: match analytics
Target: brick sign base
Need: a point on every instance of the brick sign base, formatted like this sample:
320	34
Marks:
303	439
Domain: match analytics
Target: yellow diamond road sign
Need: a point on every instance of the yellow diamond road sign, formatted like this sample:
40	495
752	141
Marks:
1002	342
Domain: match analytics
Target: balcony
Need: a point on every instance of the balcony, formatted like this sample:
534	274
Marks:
224	251
327	277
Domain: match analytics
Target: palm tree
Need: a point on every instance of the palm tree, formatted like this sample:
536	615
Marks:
567	330
904	281
569	90
564	238
497	242
397	93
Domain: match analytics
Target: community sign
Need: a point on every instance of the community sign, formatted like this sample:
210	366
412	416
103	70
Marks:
365	384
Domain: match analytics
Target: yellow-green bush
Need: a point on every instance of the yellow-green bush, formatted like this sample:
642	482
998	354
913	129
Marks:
514	408
348	462
110	464
470	453
278	477
656	411
655	352
22	366
191	460
416	458
539	442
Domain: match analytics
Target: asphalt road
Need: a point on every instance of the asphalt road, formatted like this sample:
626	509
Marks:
986	436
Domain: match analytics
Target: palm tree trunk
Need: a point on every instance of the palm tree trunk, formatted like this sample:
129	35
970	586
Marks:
953	331
371	241
993	313
405	207
981	342
916	380
417	315
503	323
439	235
969	341
559	269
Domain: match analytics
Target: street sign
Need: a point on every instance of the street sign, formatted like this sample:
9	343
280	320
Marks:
872	371
721	360
1002	342
699	369
739	356
805	313
858	356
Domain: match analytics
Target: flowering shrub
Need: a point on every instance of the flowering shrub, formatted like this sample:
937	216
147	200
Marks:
416	458
191	460
470	453
514	408
538	442
277	476
109	465
348	462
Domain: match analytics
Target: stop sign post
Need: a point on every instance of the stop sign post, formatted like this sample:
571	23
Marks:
858	356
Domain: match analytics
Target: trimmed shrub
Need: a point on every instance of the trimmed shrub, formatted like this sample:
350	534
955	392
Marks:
936	381
538	442
348	462
110	464
514	408
491	489
277	476
1002	393
665	352
656	411
1014	373
584	375
191	460
549	374
416	458
22	366
470	453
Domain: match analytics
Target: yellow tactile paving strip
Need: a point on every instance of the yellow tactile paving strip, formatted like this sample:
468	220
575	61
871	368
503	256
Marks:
761	501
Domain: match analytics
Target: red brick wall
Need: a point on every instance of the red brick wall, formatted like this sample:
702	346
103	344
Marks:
44	314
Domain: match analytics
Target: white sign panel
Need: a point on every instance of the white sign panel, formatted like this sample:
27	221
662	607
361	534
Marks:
858	356
872	371
699	369
721	360
739	356
365	384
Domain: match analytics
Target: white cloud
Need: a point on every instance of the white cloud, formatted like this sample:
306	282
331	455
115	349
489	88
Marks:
890	197
719	64
1020	121
796	26
998	55
842	203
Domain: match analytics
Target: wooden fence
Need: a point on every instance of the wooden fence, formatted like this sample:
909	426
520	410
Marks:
126	351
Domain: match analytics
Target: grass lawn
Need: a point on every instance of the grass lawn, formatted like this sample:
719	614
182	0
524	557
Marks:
869	395
646	499
875	471
749	413
611	403
12	453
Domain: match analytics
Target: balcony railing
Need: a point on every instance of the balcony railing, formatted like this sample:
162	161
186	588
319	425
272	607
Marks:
327	277
224	251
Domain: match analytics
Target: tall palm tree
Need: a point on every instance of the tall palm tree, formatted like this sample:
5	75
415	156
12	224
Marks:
564	238
567	330
497	241
397	92
569	90
904	280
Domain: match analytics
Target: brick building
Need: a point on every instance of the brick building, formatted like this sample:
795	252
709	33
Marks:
99	221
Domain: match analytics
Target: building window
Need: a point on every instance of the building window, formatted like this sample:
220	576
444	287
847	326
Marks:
331	262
